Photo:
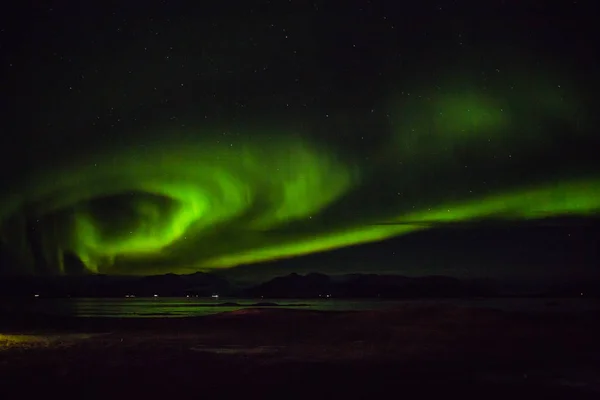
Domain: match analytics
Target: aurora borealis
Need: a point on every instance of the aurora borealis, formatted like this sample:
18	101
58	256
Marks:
192	171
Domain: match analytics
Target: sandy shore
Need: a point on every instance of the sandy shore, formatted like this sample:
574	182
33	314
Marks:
426	351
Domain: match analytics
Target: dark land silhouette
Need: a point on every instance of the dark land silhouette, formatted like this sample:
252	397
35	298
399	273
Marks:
312	285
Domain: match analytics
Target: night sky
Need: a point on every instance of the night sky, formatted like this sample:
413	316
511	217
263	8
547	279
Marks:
400	137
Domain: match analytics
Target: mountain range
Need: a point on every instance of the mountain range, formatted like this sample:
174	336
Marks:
312	285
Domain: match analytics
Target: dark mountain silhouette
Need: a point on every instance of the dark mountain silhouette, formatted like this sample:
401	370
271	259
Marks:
312	285
368	286
293	286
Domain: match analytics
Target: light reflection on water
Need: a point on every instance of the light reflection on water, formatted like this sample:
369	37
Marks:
191	307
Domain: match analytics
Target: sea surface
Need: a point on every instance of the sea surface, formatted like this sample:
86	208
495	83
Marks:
138	307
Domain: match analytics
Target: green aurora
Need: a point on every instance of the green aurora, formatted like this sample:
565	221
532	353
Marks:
197	203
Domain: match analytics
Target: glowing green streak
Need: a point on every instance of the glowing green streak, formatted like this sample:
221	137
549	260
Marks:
575	198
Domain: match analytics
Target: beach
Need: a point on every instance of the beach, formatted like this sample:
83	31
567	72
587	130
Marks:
419	350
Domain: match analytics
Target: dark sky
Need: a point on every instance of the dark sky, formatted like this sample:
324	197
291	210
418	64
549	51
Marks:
374	136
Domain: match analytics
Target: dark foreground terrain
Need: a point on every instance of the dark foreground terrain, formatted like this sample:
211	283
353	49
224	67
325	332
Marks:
416	351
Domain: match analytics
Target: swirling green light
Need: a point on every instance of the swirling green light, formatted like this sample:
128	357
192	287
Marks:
197	203
138	205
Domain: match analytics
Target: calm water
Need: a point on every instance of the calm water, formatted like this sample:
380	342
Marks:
186	307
